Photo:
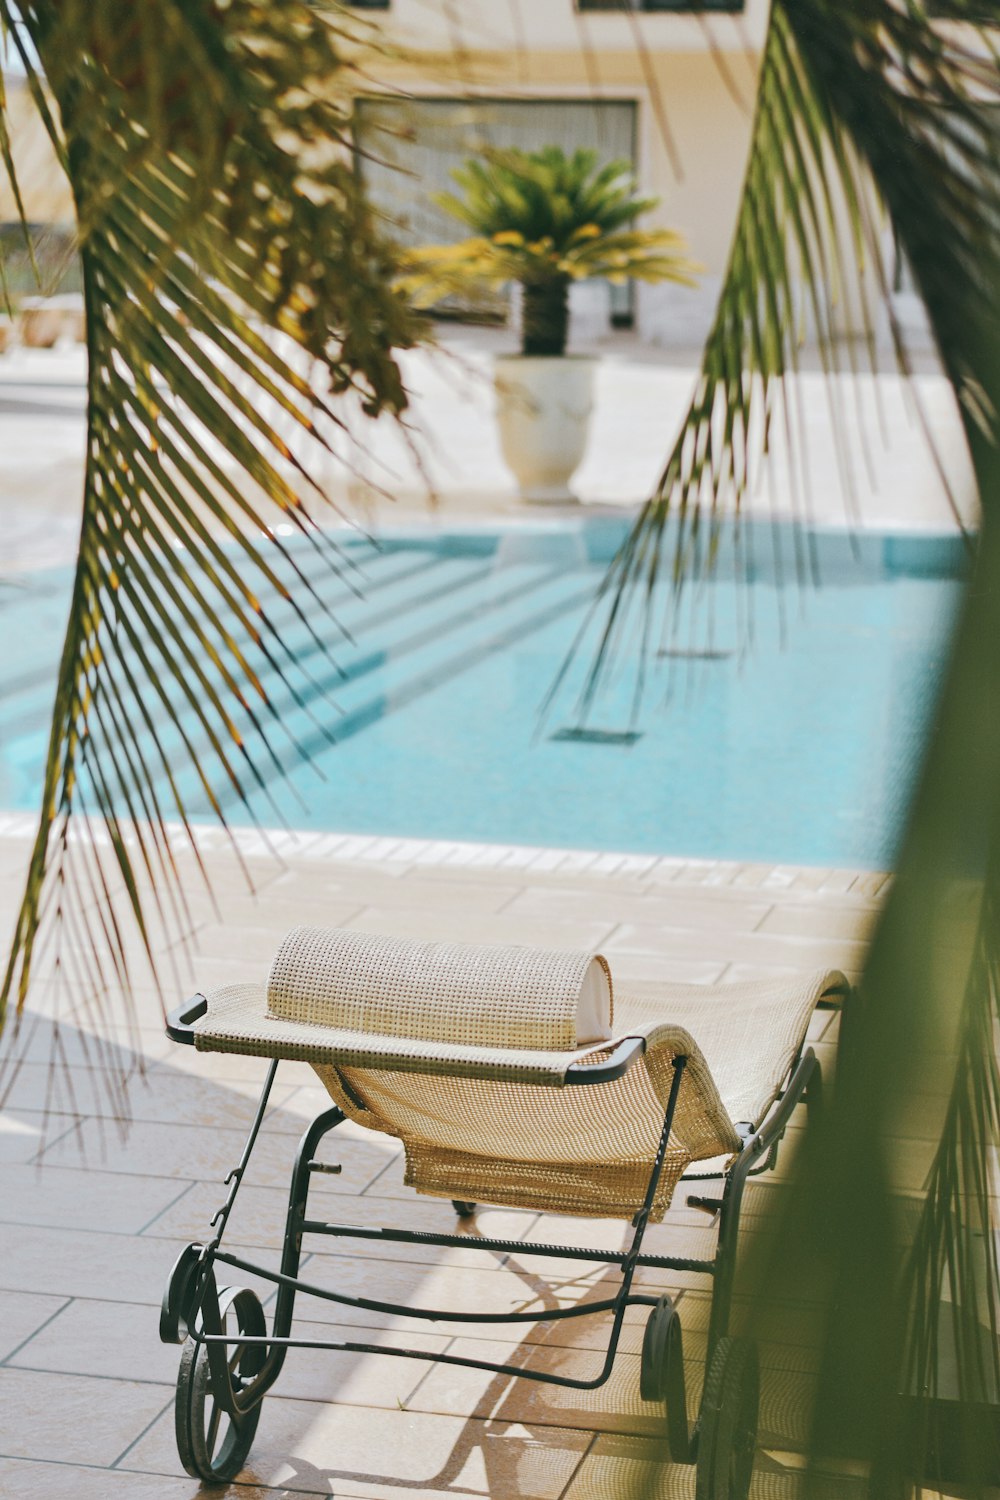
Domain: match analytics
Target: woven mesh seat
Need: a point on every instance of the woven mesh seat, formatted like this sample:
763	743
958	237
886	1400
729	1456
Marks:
490	1119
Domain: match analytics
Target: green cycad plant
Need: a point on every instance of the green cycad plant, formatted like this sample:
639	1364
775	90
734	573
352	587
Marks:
545	220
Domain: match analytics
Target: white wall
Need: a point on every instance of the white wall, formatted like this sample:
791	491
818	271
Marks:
555	24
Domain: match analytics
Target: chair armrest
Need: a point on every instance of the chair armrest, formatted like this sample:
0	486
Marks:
616	1066
180	1019
180	1028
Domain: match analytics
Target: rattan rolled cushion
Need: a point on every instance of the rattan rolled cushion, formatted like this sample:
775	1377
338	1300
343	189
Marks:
449	993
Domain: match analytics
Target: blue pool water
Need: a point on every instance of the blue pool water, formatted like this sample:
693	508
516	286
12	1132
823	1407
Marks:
800	747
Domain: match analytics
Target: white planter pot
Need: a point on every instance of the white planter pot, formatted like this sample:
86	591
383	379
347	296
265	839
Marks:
543	410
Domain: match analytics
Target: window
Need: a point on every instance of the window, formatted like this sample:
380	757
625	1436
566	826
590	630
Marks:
678	6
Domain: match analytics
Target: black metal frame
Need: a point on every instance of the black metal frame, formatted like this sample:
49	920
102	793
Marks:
190	1304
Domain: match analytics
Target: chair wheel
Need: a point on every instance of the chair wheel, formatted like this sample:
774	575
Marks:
463	1208
211	1442
660	1326
727	1433
180	1300
661	1375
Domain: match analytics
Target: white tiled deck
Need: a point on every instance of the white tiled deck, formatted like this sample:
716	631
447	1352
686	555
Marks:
93	1217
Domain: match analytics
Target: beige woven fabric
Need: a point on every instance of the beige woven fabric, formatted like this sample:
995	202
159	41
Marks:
749	1033
566	1150
492	1125
468	994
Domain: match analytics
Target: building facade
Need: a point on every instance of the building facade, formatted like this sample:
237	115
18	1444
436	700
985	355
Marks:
667	84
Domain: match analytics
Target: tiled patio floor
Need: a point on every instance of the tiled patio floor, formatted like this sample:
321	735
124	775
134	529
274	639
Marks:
94	1216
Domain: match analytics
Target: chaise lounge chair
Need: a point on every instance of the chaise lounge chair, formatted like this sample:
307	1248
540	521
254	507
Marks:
511	1076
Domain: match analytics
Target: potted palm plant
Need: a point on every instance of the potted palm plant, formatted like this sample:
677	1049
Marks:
544	219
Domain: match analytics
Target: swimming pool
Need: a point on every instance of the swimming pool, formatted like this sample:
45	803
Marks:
799	749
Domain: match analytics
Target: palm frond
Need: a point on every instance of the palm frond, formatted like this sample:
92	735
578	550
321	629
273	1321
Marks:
873	114
808	264
805	257
930	134
888	1238
234	287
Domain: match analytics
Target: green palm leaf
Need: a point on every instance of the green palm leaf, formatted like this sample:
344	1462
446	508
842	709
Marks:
869	113
206	145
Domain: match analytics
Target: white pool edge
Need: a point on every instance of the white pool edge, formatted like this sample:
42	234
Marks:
283	844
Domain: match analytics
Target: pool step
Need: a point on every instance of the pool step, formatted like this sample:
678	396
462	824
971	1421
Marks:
435	617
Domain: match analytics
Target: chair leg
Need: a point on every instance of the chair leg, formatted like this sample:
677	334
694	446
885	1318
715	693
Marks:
805	1086
814	1096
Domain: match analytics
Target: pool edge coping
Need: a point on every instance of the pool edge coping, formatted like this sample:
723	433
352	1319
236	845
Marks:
386	849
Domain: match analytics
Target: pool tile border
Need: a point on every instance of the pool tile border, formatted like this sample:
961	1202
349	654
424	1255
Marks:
283	844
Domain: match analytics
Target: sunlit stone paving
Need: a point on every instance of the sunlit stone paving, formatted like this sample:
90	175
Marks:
87	1389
